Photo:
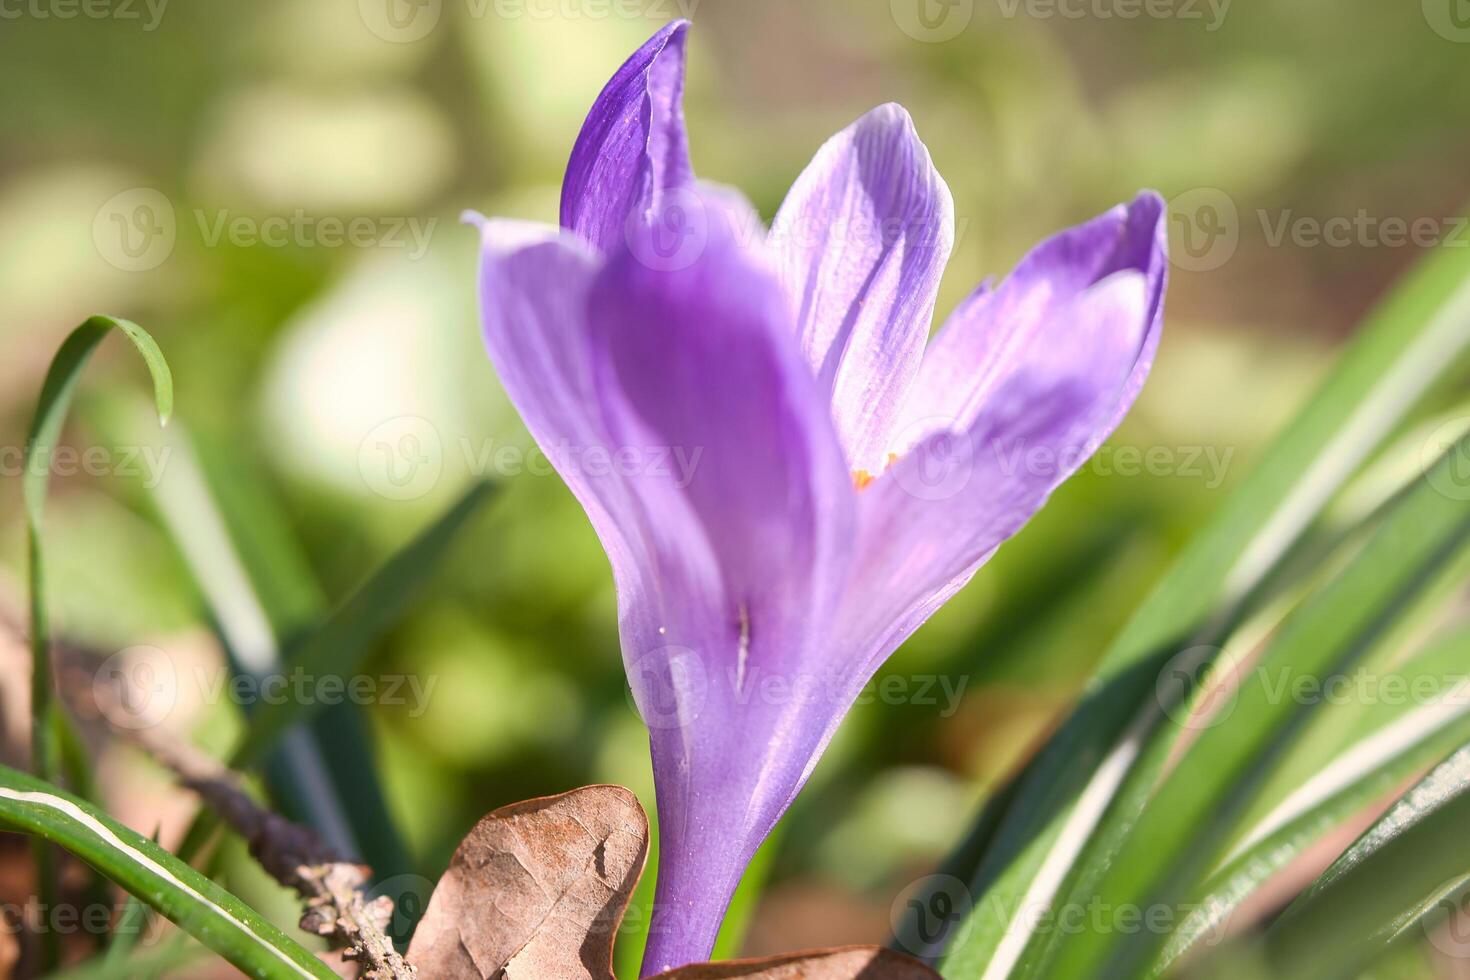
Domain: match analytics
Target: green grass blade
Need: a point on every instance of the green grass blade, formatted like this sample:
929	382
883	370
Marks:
57	392
1391	881
339	646
49	737
292	599
1412	342
1181	835
197	905
187	507
1399	745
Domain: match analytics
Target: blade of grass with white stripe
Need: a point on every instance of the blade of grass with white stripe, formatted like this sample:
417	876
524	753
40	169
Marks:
197	905
1165	853
1400	740
1388	883
49	727
1410	344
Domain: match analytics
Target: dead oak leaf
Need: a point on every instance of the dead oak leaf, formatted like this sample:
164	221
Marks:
536	890
843	963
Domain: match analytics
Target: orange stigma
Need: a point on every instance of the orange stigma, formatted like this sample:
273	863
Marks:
862	478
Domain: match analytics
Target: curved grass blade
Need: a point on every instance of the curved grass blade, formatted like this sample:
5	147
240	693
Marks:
1368	770
1397	877
57	392
197	905
1193	815
1414	340
49	737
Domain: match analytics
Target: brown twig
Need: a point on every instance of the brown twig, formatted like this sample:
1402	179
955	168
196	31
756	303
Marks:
331	886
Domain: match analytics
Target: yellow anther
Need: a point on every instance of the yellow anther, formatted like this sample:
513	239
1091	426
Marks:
861	478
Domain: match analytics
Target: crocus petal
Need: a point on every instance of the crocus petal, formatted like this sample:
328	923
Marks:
633	146
534	281
697	360
994	332
944	507
861	242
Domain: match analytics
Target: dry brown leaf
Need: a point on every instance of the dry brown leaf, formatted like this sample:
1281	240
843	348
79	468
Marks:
845	963
536	890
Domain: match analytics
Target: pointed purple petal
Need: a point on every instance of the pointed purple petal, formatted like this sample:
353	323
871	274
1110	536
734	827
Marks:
994	332
862	241
534	281
696	360
633	146
974	479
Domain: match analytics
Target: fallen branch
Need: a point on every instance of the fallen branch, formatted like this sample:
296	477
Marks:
295	856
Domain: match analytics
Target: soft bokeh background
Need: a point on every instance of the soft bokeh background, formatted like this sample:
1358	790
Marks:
341	384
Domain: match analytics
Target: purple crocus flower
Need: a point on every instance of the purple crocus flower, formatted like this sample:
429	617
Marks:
787	475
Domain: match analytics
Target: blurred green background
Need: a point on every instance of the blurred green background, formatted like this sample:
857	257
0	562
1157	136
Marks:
273	190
